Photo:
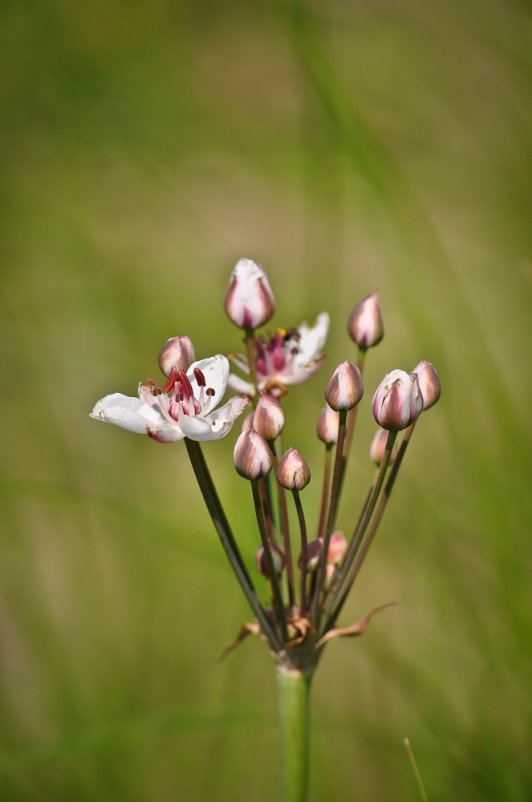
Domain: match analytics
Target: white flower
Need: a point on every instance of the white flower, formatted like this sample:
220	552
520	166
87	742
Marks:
287	357
181	409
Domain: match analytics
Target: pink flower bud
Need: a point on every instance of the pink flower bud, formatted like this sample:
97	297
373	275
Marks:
176	354
327	428
313	554
277	557
337	548
365	322
269	418
249	301
252	455
378	446
429	383
292	471
345	388
397	401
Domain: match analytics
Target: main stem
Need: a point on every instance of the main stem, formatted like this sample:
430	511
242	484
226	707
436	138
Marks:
293	690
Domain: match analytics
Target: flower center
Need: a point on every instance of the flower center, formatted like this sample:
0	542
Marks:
277	351
179	393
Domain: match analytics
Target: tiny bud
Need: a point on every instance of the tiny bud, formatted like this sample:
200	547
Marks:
330	574
249	301
252	455
177	353
429	383
397	401
268	418
365	322
378	447
292	471
327	427
313	554
337	548
345	388
277	557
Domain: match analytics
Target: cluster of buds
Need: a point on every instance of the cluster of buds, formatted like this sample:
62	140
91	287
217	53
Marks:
308	578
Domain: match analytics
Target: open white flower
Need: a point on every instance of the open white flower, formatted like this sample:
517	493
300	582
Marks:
181	409
286	357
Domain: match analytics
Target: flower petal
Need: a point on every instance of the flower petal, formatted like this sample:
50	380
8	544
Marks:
215	425
216	371
312	338
309	357
239	385
165	432
127	412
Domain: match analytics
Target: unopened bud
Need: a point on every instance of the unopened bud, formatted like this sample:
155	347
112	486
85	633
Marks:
378	447
268	418
337	548
345	388
176	354
397	401
293	473
330	575
249	301
429	383
278	559
252	455
365	322
313	554
327	427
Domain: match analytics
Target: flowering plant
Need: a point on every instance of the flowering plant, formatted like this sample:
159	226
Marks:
308	583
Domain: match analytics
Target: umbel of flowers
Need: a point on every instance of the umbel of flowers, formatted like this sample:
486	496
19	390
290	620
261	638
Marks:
309	576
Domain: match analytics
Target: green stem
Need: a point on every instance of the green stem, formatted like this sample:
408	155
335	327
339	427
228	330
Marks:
293	688
227	538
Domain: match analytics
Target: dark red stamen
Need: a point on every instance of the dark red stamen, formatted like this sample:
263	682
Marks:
209	391
185	384
200	378
170	380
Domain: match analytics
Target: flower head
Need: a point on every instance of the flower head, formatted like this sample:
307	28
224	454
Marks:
345	387
397	401
288	356
252	455
429	383
365	322
183	408
269	417
249	300
178	353
293	473
327	426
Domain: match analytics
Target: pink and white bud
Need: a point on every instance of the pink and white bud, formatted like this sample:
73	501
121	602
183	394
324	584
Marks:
345	387
314	549
397	401
331	572
269	418
252	456
337	548
378	447
249	301
429	383
293	473
365	322
327	427
176	354
277	557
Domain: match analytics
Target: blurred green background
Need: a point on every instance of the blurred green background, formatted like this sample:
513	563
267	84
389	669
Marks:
348	146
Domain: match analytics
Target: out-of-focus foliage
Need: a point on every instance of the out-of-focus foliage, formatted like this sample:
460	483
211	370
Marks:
348	147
